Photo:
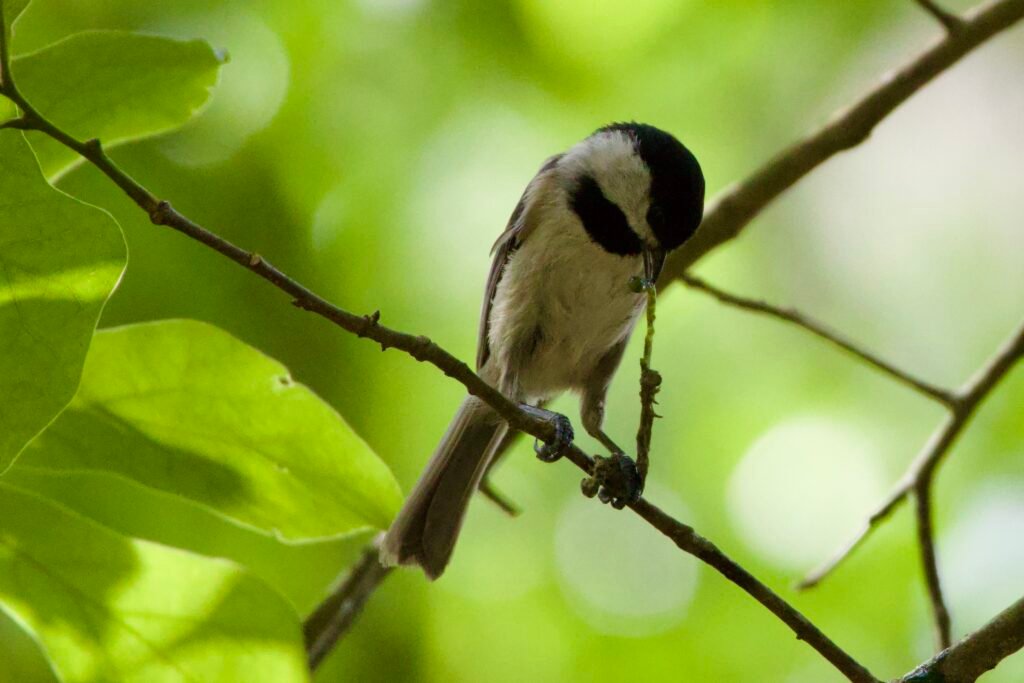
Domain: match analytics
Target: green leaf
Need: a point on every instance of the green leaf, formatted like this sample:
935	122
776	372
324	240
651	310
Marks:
115	86
12	8
59	261
185	408
109	608
22	654
301	572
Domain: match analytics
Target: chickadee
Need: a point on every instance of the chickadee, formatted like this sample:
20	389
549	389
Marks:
557	309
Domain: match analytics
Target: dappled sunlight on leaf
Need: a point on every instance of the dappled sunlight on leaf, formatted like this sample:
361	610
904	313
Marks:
115	86
106	607
184	408
59	261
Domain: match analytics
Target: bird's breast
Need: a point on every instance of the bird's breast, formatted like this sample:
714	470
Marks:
562	303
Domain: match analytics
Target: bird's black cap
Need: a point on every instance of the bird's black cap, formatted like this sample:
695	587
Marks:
677	182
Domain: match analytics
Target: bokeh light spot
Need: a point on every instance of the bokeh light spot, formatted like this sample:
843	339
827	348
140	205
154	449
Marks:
983	554
619	576
802	488
390	7
328	218
589	31
472	175
252	87
500	558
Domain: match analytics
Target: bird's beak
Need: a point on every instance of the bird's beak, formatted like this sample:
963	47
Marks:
654	258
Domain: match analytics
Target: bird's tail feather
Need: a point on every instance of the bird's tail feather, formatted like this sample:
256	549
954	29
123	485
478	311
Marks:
425	530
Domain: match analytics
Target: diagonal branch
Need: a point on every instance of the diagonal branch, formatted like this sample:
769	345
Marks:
738	204
335	615
936	393
366	578
921	471
725	220
323	630
979	652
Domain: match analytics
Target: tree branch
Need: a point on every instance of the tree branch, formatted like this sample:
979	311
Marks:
650	384
422	349
489	491
951	22
689	541
943	396
737	205
726	218
336	614
17	123
929	563
979	652
921	471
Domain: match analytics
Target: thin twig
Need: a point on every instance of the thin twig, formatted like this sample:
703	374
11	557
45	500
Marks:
737	205
650	384
929	563
950	21
924	465
979	652
338	612
689	541
936	393
422	349
985	23
489	491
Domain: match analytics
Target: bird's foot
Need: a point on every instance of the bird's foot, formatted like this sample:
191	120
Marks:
553	450
614	480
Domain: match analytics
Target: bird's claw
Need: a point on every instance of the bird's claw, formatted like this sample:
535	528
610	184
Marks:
614	480
553	450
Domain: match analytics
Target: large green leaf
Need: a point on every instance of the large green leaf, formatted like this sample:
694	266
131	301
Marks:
185	408
59	261
12	8
22	654
109	608
299	571
115	86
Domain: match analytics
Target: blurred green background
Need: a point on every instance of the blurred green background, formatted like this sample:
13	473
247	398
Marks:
374	149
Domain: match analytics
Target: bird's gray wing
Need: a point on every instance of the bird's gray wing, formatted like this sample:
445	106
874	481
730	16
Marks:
520	224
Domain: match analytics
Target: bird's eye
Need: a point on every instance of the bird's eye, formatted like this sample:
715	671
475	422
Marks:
656	218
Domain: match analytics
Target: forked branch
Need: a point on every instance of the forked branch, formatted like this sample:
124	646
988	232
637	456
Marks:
726	218
950	21
917	480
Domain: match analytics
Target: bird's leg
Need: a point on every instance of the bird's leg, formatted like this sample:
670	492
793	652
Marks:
617	479
553	450
614	479
606	441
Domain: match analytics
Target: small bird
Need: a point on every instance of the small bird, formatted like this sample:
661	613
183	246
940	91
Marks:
557	311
